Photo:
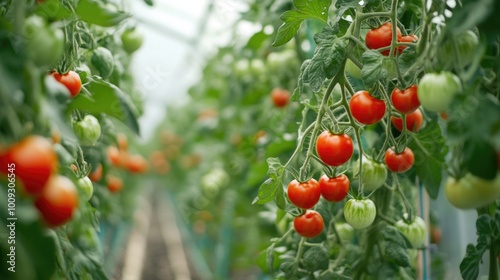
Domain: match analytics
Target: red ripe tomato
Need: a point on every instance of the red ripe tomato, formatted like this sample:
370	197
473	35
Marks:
405	101
435	234
381	37
34	161
406	39
413	121
334	149
280	97
309	225
334	189
70	80
304	195
57	201
96	175
366	109
401	162
114	184
136	164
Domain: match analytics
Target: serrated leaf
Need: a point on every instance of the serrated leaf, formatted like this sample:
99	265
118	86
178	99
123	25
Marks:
334	58
373	68
430	164
96	12
272	187
342	7
469	267
108	99
485	225
292	20
315	258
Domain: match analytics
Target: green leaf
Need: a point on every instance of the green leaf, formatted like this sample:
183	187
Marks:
373	68
327	59
270	257
149	2
430	157
52	9
485	225
469	267
315	258
95	12
396	246
480	158
470	14
255	42
342	7
317	9
108	99
272	187
472	115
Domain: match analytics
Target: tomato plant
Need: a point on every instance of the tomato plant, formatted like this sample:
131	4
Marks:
405	101
71	80
309	225
413	121
366	109
334	149
334	189
58	201
304	194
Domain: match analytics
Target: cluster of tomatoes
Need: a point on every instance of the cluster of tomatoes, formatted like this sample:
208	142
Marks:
119	157
34	162
381	37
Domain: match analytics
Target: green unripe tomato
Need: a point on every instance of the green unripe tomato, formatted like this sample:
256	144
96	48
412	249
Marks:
131	40
374	173
360	213
415	232
471	191
436	90
345	231
466	44
102	59
88	130
86	186
44	43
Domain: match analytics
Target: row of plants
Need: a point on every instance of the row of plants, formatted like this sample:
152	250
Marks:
69	113
348	115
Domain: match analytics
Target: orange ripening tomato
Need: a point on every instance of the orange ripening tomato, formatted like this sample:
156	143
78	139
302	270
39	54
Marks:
117	157
70	80
114	183
136	164
96	175
122	141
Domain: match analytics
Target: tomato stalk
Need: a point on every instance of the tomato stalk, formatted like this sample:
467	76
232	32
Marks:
300	249
406	203
319	117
